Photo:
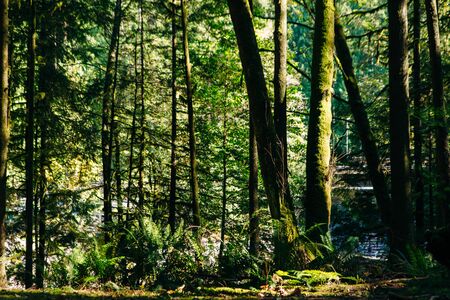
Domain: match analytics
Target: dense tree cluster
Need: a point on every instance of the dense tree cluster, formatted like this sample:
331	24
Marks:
159	141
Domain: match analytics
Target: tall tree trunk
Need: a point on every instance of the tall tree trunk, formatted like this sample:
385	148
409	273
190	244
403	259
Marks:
192	142
173	144
118	177
401	225
280	86
253	193
29	143
318	173
106	122
419	192
269	150
142	116
4	132
359	113
133	129
441	129
47	73
224	186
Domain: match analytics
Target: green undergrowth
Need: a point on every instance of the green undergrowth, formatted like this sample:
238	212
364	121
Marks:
325	285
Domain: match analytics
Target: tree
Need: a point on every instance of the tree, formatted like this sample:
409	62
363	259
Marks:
439	111
191	125
106	120
4	132
269	150
363	127
280	74
401	225
253	193
173	141
417	122
318	171
29	142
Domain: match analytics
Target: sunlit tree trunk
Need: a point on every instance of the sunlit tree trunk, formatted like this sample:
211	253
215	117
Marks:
173	144
280	86
440	117
191	126
269	150
29	142
106	121
359	113
401	225
419	191
318	173
4	132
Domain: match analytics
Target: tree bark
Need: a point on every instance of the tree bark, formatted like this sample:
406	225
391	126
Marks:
318	173
359	113
224	186
191	126
173	144
4	132
287	250
106	121
142	116
280	86
419	191
440	117
29	143
253	193
401	225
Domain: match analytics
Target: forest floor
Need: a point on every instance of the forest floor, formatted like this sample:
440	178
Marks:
400	289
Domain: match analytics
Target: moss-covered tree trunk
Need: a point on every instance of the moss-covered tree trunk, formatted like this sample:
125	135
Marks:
106	121
359	113
440	117
191	125
318	173
269	150
419	191
4	132
173	141
402	224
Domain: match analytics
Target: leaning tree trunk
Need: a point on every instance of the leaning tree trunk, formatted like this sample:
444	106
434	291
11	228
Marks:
173	141
417	122
29	143
359	113
106	122
287	251
4	132
318	172
191	126
402	224
441	130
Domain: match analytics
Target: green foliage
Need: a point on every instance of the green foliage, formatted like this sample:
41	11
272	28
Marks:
308	277
84	266
416	262
238	263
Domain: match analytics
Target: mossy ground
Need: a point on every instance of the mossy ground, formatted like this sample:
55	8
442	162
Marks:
401	288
